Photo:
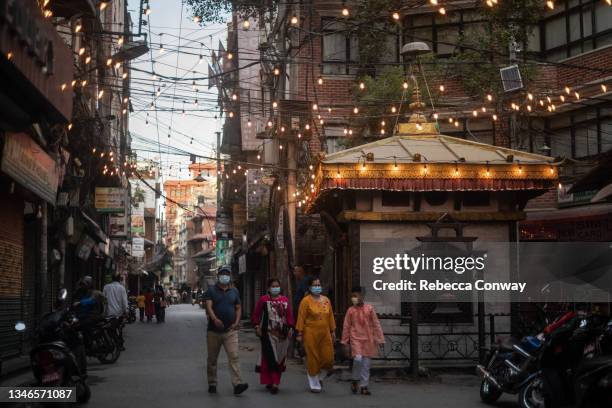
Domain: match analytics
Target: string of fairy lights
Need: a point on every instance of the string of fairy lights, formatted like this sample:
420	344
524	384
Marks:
240	104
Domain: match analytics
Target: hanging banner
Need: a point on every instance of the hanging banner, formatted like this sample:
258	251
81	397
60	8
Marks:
280	231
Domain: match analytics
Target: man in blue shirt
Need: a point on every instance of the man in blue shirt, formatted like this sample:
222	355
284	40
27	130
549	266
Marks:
223	310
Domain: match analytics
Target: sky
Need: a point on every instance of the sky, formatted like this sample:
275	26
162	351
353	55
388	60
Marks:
172	28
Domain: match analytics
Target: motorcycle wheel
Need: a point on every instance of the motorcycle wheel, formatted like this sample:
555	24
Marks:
532	395
111	356
488	392
83	392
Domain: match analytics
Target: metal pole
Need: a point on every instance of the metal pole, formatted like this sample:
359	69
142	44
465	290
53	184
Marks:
414	338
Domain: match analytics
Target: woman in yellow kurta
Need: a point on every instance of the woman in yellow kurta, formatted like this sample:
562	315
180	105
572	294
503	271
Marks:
316	329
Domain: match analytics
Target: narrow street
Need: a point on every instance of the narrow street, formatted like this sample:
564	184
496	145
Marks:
163	366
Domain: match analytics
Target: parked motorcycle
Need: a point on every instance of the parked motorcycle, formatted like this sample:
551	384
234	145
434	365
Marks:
574	367
511	366
58	359
102	341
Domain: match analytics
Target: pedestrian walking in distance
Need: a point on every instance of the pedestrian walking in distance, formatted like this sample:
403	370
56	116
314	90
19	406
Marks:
361	333
223	310
316	329
149	306
140	301
273	321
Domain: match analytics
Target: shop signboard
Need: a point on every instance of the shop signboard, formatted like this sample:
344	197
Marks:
138	250
118	225
138	221
110	199
29	165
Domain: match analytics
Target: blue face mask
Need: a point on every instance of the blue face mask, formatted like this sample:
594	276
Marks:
275	291
224	279
315	290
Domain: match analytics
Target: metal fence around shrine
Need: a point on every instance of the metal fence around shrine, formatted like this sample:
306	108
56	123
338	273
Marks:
451	342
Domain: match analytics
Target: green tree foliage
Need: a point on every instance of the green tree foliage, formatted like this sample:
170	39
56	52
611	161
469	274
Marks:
218	11
374	102
483	51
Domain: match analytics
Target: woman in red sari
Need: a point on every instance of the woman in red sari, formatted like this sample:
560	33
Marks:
273	321
149	306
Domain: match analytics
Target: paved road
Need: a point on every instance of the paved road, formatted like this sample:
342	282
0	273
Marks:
163	367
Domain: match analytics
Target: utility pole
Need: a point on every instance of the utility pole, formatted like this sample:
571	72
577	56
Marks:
218	207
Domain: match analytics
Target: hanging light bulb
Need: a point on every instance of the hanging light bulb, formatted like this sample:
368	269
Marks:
395	16
362	86
249	123
442	88
246	24
315	106
489	97
442	11
103	5
294	19
604	88
345	11
405	85
276	71
78	28
393	109
355	110
550	4
320	80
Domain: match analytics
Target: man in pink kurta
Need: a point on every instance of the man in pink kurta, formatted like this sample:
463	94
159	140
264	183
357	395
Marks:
363	334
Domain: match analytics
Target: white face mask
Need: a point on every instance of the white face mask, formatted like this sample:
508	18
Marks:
224	279
355	300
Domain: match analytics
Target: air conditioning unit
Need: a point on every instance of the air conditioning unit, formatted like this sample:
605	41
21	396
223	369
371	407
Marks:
511	78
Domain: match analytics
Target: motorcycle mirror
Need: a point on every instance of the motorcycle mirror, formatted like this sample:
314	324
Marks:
20	326
62	295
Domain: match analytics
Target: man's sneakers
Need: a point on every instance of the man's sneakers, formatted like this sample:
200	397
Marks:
240	388
212	389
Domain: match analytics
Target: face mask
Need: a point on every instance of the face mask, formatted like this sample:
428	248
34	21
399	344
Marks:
315	290
355	300
224	279
275	291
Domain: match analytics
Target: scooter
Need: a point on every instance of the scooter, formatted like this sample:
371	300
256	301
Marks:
58	360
